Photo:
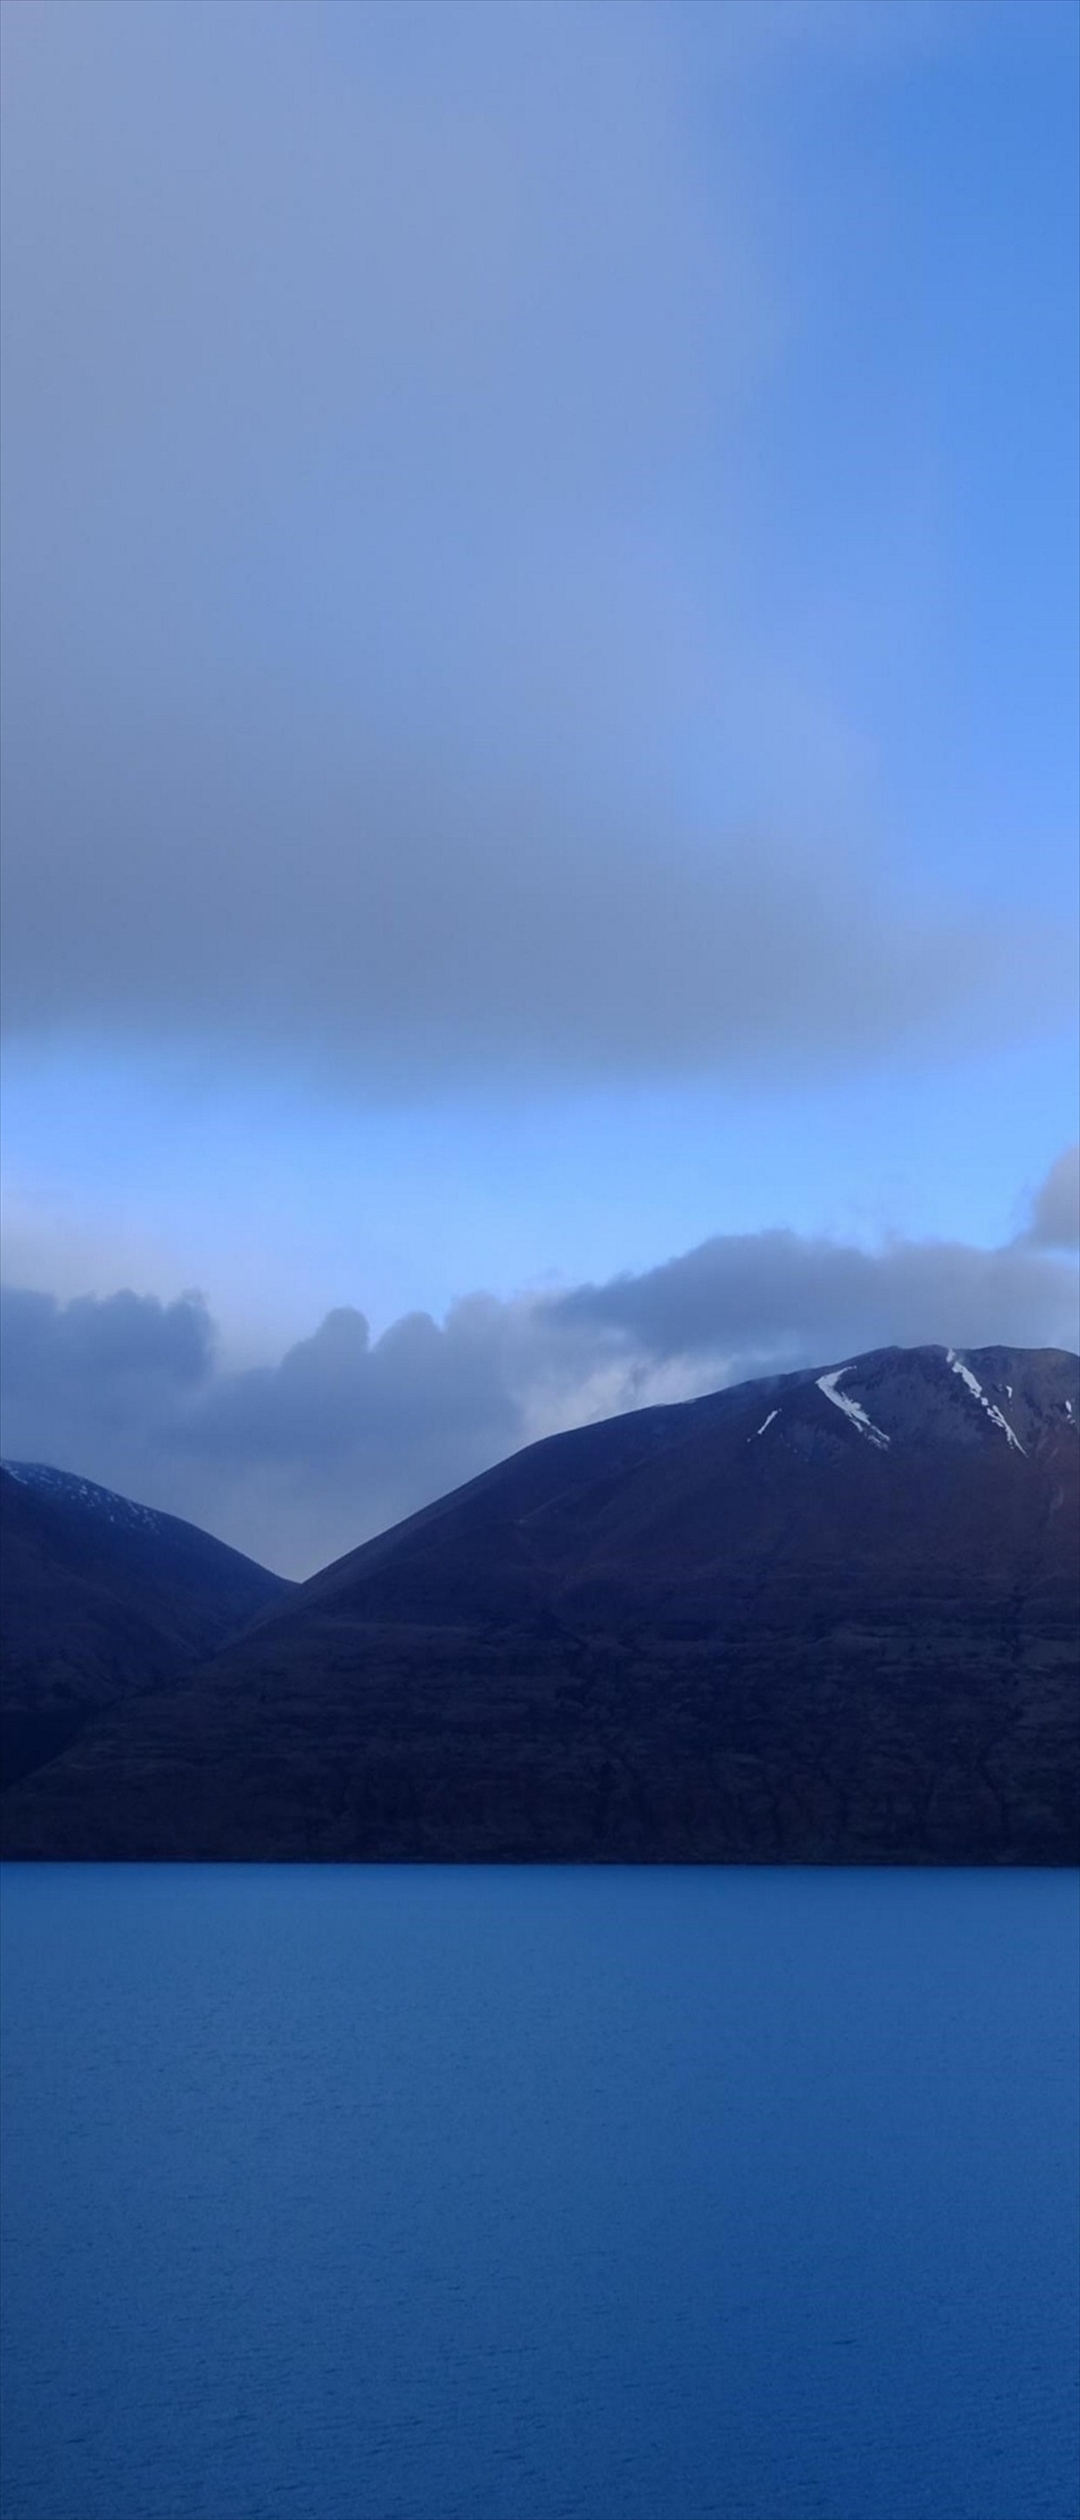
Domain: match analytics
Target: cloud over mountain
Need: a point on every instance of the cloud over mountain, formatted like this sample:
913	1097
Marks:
533	556
298	1461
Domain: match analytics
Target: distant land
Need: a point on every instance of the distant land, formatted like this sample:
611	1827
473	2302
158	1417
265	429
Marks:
831	1616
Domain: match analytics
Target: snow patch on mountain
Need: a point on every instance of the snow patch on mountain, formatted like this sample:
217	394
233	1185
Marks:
975	1387
760	1430
852	1409
39	1476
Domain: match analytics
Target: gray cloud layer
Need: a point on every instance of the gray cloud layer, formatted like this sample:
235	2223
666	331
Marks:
758	1285
297	1462
363	697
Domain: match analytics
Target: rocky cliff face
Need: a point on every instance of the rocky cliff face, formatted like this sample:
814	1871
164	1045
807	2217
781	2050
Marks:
827	1617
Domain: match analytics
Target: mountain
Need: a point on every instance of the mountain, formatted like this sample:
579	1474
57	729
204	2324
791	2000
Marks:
831	1616
99	1599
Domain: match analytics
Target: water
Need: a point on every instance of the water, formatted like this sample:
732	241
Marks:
539	2195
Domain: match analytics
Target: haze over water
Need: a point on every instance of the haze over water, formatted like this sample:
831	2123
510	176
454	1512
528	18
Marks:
387	2194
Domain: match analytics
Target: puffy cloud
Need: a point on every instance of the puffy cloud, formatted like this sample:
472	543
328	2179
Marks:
298	1461
294	1461
122	1345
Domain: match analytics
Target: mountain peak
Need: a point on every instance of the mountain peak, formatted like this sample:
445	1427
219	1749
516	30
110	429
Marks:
103	1598
826	1616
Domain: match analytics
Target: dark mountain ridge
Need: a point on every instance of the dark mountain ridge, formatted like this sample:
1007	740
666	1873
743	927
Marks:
101	1598
827	1616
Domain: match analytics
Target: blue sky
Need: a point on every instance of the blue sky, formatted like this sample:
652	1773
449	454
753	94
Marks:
540	653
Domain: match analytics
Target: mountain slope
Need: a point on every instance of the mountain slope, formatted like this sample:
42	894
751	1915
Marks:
830	1616
100	1598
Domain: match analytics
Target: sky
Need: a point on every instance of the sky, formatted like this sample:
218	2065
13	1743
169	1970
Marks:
540	721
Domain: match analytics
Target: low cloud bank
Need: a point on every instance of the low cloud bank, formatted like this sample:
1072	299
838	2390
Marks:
298	1461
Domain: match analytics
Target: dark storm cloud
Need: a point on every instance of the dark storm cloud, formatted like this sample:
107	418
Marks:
297	1462
360	704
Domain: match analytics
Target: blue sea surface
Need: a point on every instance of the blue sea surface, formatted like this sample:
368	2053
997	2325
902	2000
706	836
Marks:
539	2194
